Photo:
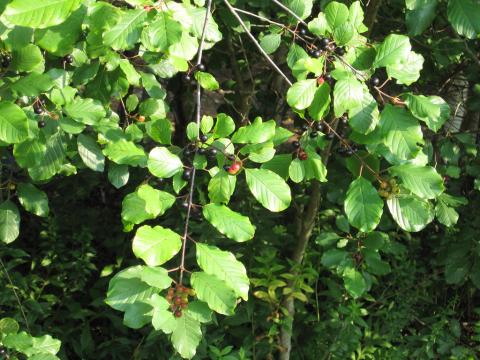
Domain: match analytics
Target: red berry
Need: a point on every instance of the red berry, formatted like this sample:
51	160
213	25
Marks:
147	8
234	168
302	155
178	300
320	80
178	313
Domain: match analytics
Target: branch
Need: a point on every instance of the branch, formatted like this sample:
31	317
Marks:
198	119
242	24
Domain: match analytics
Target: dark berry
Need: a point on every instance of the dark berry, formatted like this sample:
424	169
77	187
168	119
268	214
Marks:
187	78
6	60
375	81
303	31
330	135
320	126
37	109
340	51
178	313
187	152
313	134
226	167
324	42
231	157
312	52
41	124
212	152
202	151
349	152
69	59
341	151
317	54
187	175
201	67
344	120
328	77
203	138
304	127
296	144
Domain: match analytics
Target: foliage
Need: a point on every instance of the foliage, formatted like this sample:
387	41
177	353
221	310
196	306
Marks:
193	186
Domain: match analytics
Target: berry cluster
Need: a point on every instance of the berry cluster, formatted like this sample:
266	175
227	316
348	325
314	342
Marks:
388	189
69	59
177	297
5	60
188	75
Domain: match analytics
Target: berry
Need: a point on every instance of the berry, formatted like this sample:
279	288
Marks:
6	61
41	124
320	126
317	54
37	109
344	119
171	291
320	80
234	168
304	127
201	67
340	51
212	152
296	144
349	152
303	31
328	77
187	175
187	152
341	151
202	151
178	300
226	167
330	135
184	305
313	134
148	8
302	155
141	118
69	59
187	78
231	157
324	42
178	313
375	81
203	138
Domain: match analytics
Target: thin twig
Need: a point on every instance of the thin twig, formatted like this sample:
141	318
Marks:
16	295
198	119
242	24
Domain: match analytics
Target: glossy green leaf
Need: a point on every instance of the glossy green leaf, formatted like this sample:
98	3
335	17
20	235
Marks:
433	110
13	123
301	94
225	266
410	212
86	111
347	95
187	335
163	164
33	199
207	81
423	181
230	223
392	50
336	14
9	222
215	292
124	152
464	15
269	189
156	245
127	31
90	153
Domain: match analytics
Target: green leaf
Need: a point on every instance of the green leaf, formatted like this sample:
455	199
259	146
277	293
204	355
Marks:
60	39
225	266
334	257
433	110
364	118
90	153
230	223
207	81
314	166
269	189
118	175
215	292
336	14
126	288
407	70
137	315
419	15
32	84
270	42
125	34
221	187
133	77
445	214
39	14
321	102
464	15
319	25
354	282
187	335
9	222
401	132
28	58
301	94
206	124
152	86
363	205
347	95
86	111
156	245
255	133
124	152
410	212
392	50
145	203
160	130
51	160
8	326
33	199
344	33
163	164
186	48
423	181
224	126
162	317
302	8
356	16
13	123
161	33
296	170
